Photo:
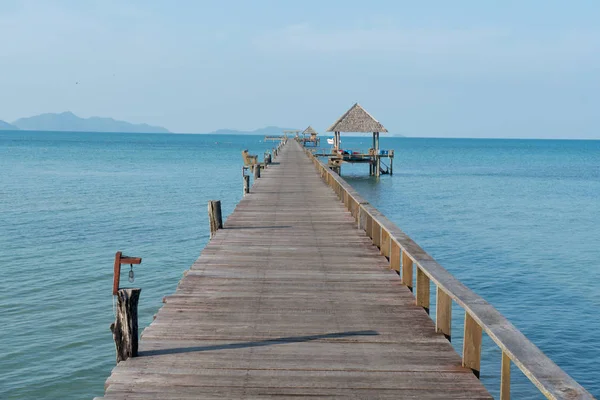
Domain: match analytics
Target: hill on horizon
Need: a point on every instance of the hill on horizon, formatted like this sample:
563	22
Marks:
69	122
5	126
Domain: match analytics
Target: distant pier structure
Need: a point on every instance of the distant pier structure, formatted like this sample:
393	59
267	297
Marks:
357	119
310	137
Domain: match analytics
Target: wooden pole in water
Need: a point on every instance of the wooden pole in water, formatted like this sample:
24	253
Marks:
246	184
125	327
377	156
214	216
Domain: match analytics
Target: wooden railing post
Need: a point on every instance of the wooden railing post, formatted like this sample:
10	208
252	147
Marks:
472	345
385	243
376	234
214	216
443	313
395	257
422	295
505	377
407	271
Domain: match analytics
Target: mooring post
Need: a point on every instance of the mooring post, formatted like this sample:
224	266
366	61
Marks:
256	172
246	184
125	327
214	216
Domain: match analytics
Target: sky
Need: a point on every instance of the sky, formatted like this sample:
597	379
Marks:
525	69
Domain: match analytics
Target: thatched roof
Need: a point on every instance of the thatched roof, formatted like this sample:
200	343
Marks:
309	131
356	119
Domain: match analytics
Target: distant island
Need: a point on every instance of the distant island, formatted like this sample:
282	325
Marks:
5	126
69	122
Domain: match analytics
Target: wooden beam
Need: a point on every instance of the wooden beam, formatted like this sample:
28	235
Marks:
130	260
117	273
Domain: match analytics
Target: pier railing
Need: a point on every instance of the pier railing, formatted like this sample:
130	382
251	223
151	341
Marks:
405	256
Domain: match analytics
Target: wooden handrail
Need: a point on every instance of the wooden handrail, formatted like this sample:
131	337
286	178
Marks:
480	316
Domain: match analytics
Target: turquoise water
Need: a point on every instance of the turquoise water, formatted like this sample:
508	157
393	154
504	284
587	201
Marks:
517	221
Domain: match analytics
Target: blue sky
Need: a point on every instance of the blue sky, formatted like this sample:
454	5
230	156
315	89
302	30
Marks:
435	68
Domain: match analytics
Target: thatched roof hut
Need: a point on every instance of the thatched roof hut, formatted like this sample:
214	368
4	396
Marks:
356	119
310	131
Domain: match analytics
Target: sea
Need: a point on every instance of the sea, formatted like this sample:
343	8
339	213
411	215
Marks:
518	221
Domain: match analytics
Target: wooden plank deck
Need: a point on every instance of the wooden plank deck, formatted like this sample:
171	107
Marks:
292	300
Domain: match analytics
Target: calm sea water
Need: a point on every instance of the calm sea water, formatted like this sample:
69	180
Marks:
517	221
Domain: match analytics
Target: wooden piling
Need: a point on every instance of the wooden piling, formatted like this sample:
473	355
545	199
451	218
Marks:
256	171
246	184
214	216
125	327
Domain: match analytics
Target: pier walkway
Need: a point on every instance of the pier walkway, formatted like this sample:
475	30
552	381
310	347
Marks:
291	300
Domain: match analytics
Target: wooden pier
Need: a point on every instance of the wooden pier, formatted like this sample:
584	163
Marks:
304	295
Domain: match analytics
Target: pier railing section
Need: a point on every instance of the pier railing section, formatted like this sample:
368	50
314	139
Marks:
405	256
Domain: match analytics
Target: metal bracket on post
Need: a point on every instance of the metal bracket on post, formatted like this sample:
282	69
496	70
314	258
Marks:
119	260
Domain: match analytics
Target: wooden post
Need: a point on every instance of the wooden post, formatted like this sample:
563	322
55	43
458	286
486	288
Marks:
472	345
407	271
214	216
395	257
376	236
125	327
256	171
422	295
117	273
377	156
246	184
505	378
443	313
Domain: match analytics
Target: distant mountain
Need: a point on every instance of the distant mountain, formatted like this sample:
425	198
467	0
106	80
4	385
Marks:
5	126
268	130
69	122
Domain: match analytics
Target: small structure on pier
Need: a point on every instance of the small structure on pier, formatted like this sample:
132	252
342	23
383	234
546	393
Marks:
357	119
309	137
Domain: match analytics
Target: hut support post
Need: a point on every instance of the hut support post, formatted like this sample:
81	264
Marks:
125	327
214	217
377	157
